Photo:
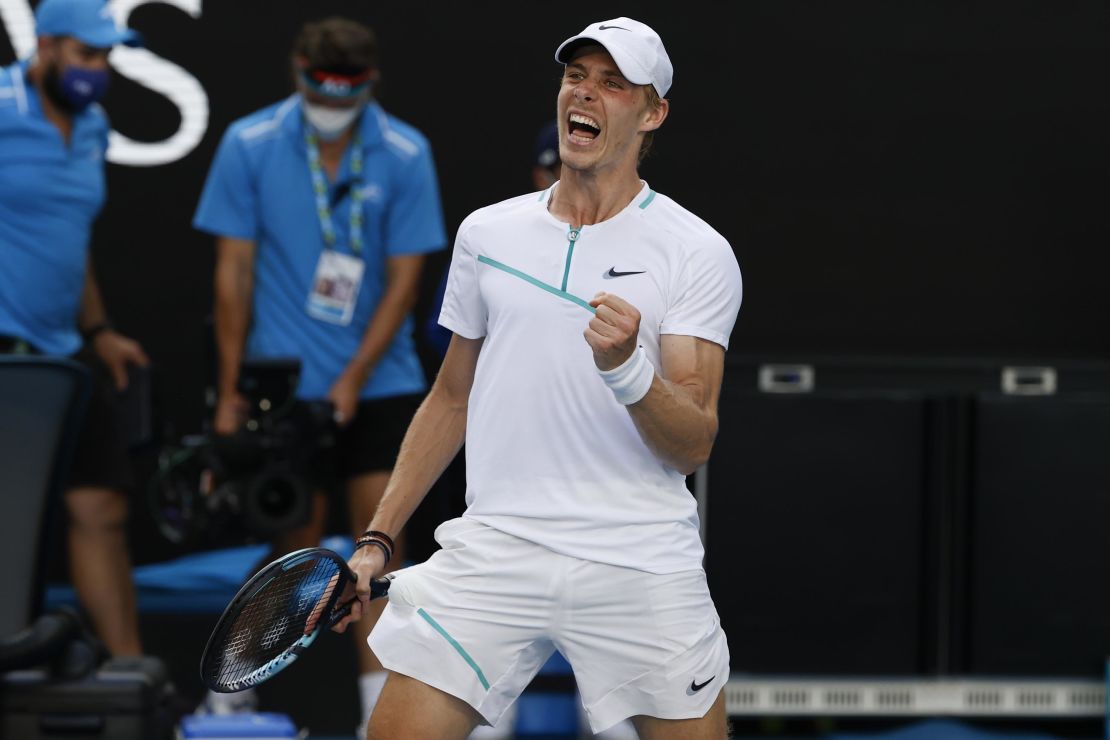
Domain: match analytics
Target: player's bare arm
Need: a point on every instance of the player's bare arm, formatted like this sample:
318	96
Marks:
432	441
677	419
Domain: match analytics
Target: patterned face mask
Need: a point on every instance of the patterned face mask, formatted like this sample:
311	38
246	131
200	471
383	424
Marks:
77	88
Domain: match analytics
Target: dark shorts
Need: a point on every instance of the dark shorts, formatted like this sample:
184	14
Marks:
100	459
370	443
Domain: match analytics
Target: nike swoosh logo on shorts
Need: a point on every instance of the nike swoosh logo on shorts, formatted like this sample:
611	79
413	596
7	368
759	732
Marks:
606	28
614	274
695	687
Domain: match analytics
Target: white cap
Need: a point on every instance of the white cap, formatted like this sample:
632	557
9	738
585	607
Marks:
634	46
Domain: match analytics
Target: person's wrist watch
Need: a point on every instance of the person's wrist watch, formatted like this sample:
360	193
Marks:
90	333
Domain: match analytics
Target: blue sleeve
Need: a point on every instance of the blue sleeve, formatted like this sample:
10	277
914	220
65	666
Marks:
229	203
414	222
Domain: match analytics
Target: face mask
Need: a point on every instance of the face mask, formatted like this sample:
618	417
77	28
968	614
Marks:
330	123
76	88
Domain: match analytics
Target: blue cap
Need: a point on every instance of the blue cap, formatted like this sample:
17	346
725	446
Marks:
89	21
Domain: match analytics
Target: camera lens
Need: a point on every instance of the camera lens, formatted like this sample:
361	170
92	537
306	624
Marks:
277	497
275	501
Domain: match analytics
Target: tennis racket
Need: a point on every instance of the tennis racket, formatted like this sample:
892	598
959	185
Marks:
276	616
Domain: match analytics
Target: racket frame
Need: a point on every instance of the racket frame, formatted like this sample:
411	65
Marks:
379	587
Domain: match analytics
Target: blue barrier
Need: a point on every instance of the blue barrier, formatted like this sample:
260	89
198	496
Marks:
937	729
260	726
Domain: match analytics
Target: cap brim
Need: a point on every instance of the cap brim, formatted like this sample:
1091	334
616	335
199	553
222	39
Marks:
631	70
109	38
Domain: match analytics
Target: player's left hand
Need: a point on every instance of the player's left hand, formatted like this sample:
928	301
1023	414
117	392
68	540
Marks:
613	331
117	352
344	396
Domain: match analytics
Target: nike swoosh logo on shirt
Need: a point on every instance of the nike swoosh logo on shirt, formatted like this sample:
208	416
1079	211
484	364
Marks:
614	274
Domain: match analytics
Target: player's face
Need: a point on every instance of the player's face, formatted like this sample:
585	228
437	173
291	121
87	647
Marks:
601	114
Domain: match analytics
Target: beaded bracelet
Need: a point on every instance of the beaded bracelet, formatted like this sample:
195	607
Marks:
382	536
379	539
360	543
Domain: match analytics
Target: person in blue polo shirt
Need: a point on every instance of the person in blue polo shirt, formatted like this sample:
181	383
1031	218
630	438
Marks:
323	206
53	138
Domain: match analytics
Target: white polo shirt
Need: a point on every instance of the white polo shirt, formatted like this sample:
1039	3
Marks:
551	456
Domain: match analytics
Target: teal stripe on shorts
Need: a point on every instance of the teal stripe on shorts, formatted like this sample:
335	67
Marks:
458	648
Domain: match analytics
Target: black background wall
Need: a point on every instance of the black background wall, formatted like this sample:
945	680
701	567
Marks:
817	553
903	179
911	519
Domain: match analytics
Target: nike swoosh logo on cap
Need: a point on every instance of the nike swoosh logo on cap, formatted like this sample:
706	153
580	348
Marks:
614	274
603	27
696	687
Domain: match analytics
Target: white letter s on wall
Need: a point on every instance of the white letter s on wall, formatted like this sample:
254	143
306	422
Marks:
20	22
167	79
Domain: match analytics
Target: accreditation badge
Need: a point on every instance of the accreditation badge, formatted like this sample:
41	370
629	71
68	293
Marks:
335	287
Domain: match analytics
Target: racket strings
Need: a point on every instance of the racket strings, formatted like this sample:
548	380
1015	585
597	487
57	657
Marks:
273	619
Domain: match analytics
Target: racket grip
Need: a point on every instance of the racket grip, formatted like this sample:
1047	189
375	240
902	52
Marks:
340	613
379	587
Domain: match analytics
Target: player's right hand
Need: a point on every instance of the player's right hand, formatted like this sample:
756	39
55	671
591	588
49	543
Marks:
231	412
367	563
613	331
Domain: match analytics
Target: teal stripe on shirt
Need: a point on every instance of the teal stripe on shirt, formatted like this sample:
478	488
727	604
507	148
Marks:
538	283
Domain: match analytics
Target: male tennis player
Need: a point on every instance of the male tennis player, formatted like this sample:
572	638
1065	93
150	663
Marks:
590	323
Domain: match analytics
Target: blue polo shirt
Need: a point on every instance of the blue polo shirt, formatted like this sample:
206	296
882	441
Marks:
50	193
260	189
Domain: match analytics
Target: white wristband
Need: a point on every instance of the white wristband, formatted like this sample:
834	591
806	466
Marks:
631	380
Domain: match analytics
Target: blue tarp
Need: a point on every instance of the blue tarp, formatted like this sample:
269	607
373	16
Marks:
202	583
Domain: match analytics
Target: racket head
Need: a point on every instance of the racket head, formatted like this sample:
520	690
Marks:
262	630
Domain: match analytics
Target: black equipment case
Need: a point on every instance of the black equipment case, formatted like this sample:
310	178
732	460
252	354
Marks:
124	699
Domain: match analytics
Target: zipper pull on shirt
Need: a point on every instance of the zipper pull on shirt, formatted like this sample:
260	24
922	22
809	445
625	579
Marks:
572	236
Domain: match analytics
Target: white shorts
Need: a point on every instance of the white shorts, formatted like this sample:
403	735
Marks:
481	616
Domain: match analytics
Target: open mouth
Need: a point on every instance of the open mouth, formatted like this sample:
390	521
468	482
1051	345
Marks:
582	129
